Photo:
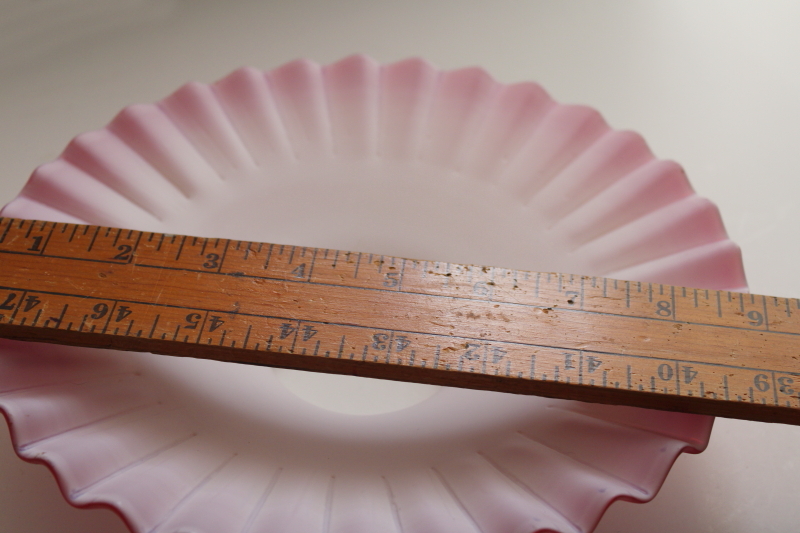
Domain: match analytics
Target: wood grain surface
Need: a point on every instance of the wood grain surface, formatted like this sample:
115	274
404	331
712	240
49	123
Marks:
552	334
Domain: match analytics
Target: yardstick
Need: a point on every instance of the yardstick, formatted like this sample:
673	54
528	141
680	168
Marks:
551	334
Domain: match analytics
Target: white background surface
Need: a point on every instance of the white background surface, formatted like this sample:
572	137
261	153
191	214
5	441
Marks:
712	85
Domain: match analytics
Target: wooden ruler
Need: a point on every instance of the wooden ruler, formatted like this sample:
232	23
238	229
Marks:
558	335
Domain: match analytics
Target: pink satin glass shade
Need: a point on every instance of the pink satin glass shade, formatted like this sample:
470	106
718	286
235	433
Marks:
401	159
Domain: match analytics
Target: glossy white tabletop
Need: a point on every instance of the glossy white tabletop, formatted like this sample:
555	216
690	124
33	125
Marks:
714	85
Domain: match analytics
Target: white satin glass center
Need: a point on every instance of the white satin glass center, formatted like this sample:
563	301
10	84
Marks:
354	395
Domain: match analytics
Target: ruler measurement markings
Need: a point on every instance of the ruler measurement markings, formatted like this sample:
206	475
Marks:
402	272
17	307
269	257
8	223
153	329
490	346
224	253
674	302
180	249
36	318
94	237
583	292
628	294
49	236
313	263
461	297
137	241
774	388
508	303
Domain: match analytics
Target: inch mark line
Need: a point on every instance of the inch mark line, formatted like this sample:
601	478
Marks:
47	240
19	306
269	256
224	254
5	232
135	245
627	294
311	266
180	248
247	336
36	318
110	314
153	329
674	305
583	291
94	237
774	388
402	274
